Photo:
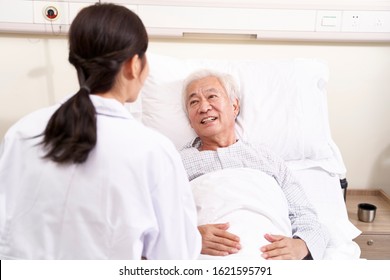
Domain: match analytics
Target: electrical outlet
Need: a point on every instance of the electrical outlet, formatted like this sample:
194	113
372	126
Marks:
366	21
51	12
355	22
351	21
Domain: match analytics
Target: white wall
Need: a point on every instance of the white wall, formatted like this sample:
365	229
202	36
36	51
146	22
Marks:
35	73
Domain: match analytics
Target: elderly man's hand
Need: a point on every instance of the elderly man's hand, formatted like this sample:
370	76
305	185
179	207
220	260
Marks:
217	241
284	248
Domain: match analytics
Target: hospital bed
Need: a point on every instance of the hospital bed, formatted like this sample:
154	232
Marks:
283	106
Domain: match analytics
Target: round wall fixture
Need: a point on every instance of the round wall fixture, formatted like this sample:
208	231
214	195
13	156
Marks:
50	13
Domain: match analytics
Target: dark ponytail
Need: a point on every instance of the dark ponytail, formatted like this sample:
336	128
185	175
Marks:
71	132
101	38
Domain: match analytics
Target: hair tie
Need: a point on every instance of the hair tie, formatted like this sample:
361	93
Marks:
86	88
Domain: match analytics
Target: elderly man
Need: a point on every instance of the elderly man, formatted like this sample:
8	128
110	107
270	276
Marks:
212	105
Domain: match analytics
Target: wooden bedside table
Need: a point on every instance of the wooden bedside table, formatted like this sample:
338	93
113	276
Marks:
374	241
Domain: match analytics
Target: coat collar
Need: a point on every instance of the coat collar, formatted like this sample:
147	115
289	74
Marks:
109	107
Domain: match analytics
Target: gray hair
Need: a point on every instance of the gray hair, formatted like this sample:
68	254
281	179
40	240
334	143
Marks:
226	80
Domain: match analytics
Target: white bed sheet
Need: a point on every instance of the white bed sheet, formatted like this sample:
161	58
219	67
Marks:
324	192
254	204
251	201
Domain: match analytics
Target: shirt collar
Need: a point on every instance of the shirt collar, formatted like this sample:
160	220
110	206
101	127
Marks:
196	143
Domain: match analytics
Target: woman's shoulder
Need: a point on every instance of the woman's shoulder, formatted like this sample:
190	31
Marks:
33	123
149	138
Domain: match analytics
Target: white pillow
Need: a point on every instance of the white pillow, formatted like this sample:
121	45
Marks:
283	102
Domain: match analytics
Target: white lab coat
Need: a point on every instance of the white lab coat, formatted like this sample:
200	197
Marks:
130	199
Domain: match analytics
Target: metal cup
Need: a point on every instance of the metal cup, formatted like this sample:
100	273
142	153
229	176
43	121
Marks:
366	212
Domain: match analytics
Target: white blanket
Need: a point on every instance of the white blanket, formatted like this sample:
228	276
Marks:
250	200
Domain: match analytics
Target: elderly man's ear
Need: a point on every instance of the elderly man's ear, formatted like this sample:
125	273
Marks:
236	107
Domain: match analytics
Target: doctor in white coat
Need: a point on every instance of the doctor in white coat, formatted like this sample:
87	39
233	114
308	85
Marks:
84	179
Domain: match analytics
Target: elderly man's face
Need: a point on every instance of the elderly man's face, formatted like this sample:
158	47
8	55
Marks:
212	114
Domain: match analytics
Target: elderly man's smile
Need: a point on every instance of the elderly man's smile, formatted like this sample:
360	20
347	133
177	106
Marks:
208	120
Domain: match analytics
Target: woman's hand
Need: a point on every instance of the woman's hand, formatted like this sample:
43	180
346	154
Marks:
217	241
